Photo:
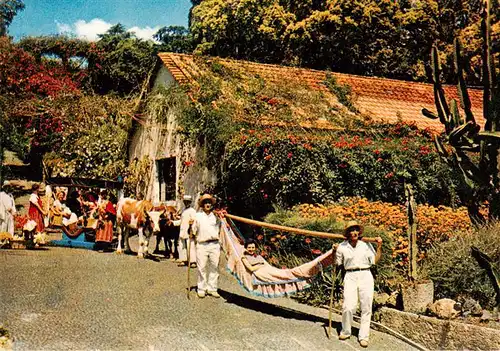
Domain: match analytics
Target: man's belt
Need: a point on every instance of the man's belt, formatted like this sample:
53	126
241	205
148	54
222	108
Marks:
209	241
357	269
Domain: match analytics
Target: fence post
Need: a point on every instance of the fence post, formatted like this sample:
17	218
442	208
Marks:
411	211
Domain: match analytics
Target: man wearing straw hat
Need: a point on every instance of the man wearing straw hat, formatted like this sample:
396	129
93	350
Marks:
185	242
7	209
357	257
206	227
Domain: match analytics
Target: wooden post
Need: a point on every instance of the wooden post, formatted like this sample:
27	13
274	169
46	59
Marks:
411	211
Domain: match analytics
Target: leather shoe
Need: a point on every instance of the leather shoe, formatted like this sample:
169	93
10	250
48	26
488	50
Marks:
213	294
201	294
344	337
363	343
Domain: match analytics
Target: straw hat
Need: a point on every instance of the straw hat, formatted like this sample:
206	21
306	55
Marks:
352	224
187	198
206	197
7	184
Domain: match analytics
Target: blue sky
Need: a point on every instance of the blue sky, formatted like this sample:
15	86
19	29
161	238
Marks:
86	18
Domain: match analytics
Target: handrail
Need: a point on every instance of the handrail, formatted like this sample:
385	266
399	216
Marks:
290	229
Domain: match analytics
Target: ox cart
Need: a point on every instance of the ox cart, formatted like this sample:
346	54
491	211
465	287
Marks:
80	235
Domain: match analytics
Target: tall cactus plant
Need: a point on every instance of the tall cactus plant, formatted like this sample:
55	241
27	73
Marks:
474	153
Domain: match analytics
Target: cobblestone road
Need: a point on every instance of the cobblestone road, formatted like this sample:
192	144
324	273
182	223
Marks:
63	298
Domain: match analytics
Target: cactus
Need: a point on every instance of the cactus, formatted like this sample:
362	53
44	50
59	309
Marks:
481	178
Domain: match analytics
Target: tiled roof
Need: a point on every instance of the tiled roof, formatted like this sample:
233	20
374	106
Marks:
382	98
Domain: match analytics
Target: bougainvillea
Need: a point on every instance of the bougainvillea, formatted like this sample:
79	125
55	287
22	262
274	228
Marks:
20	74
286	167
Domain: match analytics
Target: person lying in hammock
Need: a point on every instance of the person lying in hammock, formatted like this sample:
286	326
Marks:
250	259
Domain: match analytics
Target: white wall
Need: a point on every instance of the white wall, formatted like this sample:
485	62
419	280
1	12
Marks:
158	141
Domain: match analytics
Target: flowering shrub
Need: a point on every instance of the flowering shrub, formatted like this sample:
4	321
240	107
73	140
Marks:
269	166
434	224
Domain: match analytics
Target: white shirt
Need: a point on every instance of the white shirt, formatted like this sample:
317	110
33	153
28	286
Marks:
188	214
34	199
360	257
206	227
7	204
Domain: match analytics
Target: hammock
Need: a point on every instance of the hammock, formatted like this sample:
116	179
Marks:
269	281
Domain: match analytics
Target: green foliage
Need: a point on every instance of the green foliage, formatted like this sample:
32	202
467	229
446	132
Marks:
456	274
8	10
368	37
95	139
174	39
342	91
61	46
122	62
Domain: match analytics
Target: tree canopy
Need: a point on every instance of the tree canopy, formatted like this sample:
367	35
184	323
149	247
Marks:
368	37
8	10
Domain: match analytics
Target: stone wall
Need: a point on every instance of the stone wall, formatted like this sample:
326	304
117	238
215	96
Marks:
440	334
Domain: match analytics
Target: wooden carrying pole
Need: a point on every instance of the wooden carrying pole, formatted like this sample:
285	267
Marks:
290	229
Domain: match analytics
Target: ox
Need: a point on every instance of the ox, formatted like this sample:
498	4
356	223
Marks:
169	230
140	215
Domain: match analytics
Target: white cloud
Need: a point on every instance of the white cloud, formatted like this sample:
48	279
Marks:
90	30
145	33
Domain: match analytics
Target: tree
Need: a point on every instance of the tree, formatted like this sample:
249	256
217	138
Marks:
174	39
368	37
8	10
120	62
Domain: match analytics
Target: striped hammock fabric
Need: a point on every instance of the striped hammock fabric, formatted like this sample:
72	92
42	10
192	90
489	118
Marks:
269	281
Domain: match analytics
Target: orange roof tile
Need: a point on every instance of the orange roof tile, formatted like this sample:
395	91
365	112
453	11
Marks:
384	99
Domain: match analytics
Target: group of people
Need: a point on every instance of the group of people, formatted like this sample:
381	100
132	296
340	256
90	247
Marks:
199	246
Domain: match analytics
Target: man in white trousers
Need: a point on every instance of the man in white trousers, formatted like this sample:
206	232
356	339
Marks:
207	227
185	242
357	257
7	209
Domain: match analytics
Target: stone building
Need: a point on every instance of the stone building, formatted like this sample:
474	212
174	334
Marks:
174	168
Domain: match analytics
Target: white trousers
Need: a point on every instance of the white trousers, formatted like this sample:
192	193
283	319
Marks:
182	248
207	260
7	225
357	285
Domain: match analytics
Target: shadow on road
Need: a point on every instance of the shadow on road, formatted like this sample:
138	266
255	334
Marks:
279	311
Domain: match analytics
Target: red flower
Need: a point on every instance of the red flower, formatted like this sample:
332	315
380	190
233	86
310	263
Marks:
188	163
389	175
260	237
265	196
307	240
316	252
376	152
268	157
380	159
290	155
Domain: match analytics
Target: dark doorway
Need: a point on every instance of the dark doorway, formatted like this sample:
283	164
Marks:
167	178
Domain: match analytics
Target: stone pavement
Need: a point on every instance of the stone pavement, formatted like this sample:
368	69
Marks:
62	298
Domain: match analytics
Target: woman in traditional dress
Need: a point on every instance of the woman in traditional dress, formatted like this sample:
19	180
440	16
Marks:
35	211
107	213
58	210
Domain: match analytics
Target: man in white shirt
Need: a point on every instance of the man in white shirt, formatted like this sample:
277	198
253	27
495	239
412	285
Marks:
206	227
185	242
7	209
357	257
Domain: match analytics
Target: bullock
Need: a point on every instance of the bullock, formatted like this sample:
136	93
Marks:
140	215
169	230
